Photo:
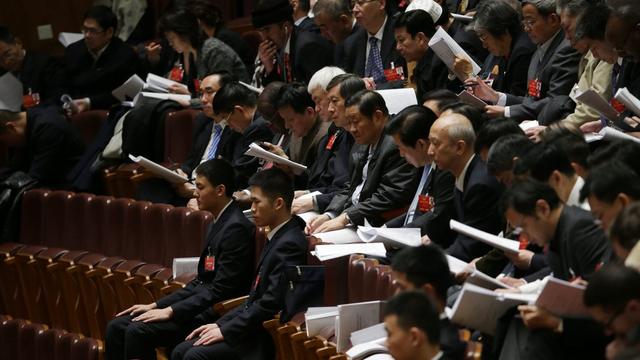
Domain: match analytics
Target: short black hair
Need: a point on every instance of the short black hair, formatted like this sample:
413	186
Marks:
498	18
445	16
492	130
349	84
423	265
411	124
218	172
504	149
523	195
592	23
274	183
103	16
368	102
305	5
612	287
267	100
444	97
333	8
231	95
207	12
543	159
184	24
624	150
417	21
296	96
608	180
625	229
6	36
415	309
571	141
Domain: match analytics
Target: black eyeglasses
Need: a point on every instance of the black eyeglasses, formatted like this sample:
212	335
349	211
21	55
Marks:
91	31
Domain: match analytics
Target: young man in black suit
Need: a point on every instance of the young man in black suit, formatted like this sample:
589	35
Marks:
372	49
237	105
381	180
287	54
476	192
98	64
425	268
239	334
432	206
224	272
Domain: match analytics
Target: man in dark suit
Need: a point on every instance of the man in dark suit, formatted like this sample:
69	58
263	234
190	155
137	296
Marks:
224	272
287	53
432	206
98	64
476	192
237	104
301	18
239	334
40	74
371	51
425	268
381	180
336	23
553	69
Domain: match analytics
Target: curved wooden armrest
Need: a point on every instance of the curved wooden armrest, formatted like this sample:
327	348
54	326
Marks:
225	306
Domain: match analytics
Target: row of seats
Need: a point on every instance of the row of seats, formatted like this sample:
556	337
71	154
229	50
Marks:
153	233
23	340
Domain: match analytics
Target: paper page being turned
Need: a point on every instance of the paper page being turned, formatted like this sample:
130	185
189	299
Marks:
129	89
447	49
397	237
257	151
398	99
594	100
354	317
160	84
563	299
159	170
609	133
497	242
630	102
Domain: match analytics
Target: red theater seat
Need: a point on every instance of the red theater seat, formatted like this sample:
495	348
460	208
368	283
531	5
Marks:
178	135
32	229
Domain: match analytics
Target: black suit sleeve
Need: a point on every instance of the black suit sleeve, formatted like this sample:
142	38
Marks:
48	146
246	165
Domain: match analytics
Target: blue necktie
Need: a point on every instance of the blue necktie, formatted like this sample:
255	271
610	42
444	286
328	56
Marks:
217	134
373	67
414	204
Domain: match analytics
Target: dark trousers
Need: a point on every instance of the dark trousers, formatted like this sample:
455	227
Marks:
217	351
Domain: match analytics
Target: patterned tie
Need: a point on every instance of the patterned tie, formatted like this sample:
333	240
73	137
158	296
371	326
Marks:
217	135
374	62
414	204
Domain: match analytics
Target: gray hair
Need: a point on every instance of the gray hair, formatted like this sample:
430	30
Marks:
322	77
573	8
545	7
333	8
461	128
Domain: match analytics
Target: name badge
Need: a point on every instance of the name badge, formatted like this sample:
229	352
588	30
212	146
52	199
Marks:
209	263
176	74
30	100
256	282
535	88
394	74
332	139
620	108
425	203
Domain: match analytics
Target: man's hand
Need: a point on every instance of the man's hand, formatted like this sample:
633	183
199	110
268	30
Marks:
152	52
177	89
513	282
299	193
522	260
340	222
302	205
208	334
425	240
534	133
591	127
80	105
462	67
137	309
482	90
155	315
369	83
535	317
267	53
193	204
316	222
614	348
494	111
186	190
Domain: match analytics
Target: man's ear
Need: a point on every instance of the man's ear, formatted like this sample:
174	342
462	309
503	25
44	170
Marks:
555	178
624	199
110	32
542	208
221	190
278	203
420	36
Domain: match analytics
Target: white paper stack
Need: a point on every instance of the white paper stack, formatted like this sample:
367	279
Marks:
609	133
506	245
398	99
308	216
328	252
485	281
188	265
161	96
320	320
157	83
67	38
159	170
630	102
446	49
343	236
396	237
357	316
456	265
257	151
368	341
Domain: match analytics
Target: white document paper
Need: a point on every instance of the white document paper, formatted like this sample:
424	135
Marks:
497	242
328	252
354	317
630	102
129	89
594	100
446	49
343	236
396	237
368	334
257	151
251	87
456	265
479	308
67	38
463	18
309	195
308	216
162	96
188	265
470	99
320	320
159	170
609	133
160	84
563	299
483	280
368	350
591	137
529	124
398	99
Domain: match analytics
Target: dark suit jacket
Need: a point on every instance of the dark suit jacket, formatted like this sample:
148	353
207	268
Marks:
242	329
512	71
42	74
201	135
246	165
557	71
579	246
477	206
450	344
355	53
330	172
339	58
390	184
435	223
309	52
309	25
230	240
84	78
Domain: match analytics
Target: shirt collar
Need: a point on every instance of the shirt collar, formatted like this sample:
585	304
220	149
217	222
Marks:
273	231
574	196
547	43
438	356
299	21
460	179
378	35
287	46
97	55
222	211
222	124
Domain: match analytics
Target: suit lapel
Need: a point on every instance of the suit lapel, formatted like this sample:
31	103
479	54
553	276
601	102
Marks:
388	40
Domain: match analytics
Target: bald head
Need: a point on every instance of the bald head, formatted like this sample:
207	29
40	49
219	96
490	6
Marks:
452	138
